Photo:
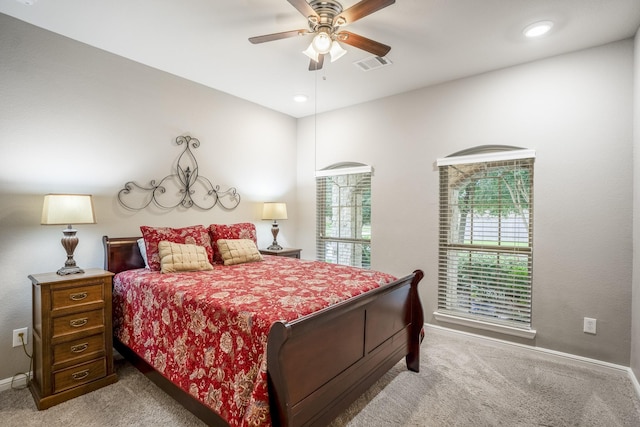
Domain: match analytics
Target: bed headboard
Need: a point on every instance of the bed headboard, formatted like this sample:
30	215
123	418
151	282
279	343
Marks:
121	253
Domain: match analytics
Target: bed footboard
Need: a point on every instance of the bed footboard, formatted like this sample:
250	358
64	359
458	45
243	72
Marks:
319	364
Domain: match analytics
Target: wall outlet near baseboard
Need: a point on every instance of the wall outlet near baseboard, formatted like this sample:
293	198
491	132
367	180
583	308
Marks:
589	325
16	336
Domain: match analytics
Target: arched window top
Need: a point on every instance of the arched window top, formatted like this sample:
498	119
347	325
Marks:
344	168
486	153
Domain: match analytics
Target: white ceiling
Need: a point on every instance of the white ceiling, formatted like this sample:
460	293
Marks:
432	41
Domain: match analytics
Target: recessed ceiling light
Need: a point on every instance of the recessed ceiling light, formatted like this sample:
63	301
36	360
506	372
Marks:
300	98
538	29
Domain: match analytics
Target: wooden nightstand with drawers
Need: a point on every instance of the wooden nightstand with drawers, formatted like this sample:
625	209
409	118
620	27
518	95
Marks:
72	342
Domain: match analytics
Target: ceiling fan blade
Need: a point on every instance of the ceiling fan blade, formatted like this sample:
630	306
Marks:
277	36
303	7
362	9
372	46
315	66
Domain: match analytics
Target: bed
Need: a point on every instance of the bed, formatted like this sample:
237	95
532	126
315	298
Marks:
315	363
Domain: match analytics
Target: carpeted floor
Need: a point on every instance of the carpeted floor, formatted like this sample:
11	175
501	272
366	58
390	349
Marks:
463	381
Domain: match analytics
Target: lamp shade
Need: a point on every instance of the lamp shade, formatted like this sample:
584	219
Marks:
336	51
68	209
274	211
311	53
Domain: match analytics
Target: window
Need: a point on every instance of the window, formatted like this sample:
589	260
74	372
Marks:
486	230
343	203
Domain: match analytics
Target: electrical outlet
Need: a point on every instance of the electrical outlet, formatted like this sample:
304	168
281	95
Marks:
589	325
16	336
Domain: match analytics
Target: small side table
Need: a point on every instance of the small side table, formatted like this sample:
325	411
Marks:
288	252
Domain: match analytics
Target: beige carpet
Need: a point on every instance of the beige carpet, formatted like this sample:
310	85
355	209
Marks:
462	382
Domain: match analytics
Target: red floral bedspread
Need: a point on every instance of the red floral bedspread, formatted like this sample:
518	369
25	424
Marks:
207	331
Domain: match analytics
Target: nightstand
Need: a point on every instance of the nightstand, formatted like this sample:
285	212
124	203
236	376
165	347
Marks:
72	341
288	252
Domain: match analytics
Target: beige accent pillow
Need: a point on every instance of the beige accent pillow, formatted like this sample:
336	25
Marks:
238	251
175	257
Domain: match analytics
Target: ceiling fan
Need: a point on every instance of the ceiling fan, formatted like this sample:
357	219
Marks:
325	19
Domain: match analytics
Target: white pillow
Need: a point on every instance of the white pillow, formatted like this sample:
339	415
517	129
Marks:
143	251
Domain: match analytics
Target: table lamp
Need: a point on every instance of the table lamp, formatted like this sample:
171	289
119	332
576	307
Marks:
60	209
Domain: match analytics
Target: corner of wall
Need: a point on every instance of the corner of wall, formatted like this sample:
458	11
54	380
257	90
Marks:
635	286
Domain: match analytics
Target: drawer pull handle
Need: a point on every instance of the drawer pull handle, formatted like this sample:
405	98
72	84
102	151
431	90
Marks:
76	323
79	348
77	376
78	297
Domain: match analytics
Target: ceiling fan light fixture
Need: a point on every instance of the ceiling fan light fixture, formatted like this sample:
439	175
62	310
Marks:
324	19
322	42
336	51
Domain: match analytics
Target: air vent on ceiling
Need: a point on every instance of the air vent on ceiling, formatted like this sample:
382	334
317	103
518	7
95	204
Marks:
372	63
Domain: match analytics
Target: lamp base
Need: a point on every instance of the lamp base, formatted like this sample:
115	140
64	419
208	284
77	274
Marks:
69	242
274	231
69	270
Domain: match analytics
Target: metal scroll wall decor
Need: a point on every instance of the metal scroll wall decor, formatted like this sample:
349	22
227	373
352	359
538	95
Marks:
186	187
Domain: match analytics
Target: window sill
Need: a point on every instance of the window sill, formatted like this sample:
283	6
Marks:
478	324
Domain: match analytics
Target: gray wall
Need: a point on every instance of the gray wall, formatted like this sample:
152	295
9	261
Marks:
575	110
77	119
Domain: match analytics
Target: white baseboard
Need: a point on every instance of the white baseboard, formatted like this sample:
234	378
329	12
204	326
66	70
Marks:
634	381
567	357
18	380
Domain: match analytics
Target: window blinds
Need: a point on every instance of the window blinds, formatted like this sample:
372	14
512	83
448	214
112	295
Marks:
485	241
343	203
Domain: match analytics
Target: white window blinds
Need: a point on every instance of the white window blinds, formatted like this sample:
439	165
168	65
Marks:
343	201
486	233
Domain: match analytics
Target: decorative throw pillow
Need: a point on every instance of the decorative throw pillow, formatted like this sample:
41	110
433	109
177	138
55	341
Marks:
238	251
193	235
176	257
241	230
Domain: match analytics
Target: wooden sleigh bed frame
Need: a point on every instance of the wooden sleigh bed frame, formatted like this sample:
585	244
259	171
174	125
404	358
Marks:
319	364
